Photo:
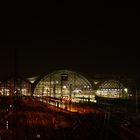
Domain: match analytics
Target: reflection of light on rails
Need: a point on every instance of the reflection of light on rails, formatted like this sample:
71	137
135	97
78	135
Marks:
70	107
62	106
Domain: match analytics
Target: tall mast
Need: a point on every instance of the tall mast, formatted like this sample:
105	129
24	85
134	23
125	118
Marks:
16	62
15	67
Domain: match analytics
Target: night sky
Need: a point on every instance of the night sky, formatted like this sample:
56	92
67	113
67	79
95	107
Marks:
105	43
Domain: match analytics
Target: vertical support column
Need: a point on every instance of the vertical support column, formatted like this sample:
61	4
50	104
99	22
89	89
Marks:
50	85
70	92
61	88
15	67
54	90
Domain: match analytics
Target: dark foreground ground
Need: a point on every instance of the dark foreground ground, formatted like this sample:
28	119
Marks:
30	119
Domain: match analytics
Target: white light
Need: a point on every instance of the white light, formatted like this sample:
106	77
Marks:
64	87
38	135
32	81
6	124
98	91
77	90
95	101
126	90
95	83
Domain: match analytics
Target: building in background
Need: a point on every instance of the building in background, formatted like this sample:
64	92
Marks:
15	86
67	85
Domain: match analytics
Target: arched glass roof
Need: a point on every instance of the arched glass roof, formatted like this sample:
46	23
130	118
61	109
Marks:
64	83
112	89
111	84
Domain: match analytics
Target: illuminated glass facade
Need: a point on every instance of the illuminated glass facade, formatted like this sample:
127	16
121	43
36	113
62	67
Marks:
15	86
64	84
112	89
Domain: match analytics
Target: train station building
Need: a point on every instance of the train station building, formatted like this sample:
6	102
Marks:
68	85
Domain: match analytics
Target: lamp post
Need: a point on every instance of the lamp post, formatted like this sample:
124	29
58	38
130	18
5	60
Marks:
70	93
54	86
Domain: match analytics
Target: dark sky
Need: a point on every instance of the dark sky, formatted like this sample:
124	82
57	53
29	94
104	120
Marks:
105	43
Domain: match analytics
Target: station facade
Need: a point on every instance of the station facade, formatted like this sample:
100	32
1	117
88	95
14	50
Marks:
65	84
